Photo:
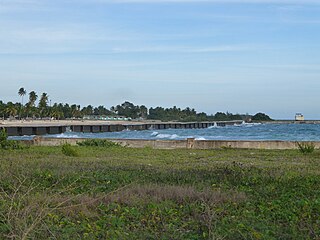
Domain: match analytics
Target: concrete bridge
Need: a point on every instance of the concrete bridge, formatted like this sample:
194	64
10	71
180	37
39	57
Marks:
43	128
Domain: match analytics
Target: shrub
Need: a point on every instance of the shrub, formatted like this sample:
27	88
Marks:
8	144
306	148
98	143
68	150
3	135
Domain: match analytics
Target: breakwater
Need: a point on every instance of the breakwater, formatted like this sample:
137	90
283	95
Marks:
43	128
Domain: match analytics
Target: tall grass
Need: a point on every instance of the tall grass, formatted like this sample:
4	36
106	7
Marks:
305	147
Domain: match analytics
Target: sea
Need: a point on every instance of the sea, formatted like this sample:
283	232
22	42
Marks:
244	131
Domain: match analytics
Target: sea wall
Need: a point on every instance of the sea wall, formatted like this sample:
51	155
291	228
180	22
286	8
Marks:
178	144
43	128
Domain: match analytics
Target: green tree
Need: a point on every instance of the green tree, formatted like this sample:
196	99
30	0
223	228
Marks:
11	109
32	98
43	104
22	92
30	106
261	117
88	110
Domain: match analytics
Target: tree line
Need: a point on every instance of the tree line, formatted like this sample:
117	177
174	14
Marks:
40	107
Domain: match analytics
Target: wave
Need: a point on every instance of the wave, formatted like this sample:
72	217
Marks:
170	136
200	138
164	135
63	135
251	124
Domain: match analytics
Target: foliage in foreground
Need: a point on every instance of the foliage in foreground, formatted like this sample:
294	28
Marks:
8	144
98	143
69	150
305	147
128	193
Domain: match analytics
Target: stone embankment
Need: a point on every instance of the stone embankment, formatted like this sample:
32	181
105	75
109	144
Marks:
190	143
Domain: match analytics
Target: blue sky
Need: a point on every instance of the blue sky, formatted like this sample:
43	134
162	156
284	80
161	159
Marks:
241	56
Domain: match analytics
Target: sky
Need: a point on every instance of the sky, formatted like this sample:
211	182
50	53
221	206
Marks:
241	56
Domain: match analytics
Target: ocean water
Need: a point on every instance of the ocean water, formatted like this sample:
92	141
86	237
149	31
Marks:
286	132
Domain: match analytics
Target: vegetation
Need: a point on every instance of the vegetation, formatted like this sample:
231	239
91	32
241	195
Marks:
21	93
98	143
261	117
125	193
8	144
44	109
69	150
305	147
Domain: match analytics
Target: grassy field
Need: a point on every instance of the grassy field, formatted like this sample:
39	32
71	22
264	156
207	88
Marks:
123	193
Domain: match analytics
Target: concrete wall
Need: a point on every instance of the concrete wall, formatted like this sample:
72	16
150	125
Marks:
41	129
181	144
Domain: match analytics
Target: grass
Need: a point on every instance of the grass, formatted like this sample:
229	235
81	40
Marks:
124	193
305	147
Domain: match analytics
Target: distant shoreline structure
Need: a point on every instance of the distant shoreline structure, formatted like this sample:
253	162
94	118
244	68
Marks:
44	127
21	128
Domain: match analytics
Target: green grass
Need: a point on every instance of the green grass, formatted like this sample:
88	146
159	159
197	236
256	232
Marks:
124	193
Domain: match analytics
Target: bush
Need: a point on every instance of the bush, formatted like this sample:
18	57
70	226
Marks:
3	135
98	143
306	148
8	144
69	151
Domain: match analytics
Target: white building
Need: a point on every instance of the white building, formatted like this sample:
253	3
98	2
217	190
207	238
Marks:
299	117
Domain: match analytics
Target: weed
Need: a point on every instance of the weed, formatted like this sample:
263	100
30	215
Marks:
227	147
69	151
306	148
98	143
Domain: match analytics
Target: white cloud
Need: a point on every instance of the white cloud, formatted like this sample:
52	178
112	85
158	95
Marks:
160	49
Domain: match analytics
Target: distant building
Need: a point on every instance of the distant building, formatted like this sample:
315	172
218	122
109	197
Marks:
106	118
299	117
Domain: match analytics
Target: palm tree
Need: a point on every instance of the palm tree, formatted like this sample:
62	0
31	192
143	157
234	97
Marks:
43	103
21	93
32	99
11	110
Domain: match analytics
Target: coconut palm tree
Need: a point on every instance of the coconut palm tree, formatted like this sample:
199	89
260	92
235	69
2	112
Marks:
32	99
21	93
43	103
11	110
